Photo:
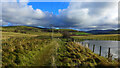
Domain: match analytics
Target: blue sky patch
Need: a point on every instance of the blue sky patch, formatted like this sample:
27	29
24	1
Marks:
51	7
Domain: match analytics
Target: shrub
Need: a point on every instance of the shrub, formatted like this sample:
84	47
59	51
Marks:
66	34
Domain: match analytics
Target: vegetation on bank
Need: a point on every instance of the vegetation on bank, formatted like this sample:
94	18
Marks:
73	54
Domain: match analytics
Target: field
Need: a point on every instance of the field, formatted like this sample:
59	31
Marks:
99	37
27	31
30	46
80	33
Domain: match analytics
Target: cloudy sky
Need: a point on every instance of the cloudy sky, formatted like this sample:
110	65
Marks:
77	15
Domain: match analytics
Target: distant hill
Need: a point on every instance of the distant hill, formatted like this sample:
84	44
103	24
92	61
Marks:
30	29
104	31
115	31
20	29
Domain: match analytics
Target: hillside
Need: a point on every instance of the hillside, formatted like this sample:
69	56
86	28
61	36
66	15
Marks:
104	31
115	31
28	29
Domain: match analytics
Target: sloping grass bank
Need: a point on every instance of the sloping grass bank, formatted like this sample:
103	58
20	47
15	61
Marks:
72	54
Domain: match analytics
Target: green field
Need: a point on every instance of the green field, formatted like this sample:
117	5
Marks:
99	37
80	33
28	30
29	46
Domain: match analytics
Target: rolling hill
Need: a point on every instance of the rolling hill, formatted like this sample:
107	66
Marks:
30	29
104	31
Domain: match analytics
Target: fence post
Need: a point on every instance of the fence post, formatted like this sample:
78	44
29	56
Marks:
88	45
72	39
108	52
100	51
82	43
93	47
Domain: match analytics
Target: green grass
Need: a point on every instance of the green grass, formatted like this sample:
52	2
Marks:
21	52
99	37
28	30
80	33
27	49
73	54
46	54
6	35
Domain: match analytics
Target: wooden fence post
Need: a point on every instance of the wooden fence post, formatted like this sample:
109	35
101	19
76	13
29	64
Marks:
82	43
100	51
108	52
74	40
93	47
88	45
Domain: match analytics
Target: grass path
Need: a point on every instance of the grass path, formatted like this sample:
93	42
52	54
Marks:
46	55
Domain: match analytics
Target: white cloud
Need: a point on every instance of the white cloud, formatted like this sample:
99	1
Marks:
23	0
88	14
8	0
18	13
